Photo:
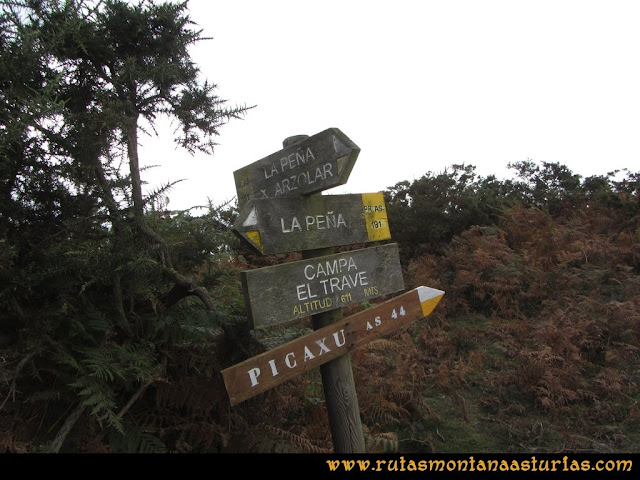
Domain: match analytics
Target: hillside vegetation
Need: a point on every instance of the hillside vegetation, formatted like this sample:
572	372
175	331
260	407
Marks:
534	347
117	315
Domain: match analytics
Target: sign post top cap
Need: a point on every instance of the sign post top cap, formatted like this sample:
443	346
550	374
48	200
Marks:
287	142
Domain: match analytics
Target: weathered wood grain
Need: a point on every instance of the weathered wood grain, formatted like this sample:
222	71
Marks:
307	287
314	164
292	224
267	370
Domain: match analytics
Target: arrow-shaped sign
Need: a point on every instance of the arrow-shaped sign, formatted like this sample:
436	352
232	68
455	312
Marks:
265	371
303	288
281	225
317	163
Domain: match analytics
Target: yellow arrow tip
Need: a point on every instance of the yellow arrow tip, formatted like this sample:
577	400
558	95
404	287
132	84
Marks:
255	238
429	298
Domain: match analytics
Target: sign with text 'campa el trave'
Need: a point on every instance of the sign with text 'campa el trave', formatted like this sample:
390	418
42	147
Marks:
302	288
282	225
265	371
317	163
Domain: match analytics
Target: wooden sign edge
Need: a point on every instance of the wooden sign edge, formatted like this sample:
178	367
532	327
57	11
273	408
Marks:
392	247
343	175
423	302
243	235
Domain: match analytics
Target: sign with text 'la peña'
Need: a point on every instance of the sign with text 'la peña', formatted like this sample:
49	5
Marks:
317	163
265	371
302	288
282	225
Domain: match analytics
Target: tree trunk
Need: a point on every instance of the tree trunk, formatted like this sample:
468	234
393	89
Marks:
134	165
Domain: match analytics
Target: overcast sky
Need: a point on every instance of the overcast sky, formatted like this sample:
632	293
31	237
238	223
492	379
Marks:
417	85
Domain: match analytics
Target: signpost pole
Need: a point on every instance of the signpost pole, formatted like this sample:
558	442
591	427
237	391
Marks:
339	387
337	375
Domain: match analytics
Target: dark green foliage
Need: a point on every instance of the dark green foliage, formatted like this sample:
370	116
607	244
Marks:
428	212
100	285
434	208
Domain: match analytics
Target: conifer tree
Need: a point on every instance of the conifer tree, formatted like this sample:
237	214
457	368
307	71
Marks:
95	286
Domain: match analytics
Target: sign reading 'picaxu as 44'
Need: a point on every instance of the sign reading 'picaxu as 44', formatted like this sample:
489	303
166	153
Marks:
317	163
281	225
302	288
265	371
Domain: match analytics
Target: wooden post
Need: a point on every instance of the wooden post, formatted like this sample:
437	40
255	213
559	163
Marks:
339	386
337	376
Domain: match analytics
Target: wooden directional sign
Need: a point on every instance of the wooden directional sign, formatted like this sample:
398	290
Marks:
280	225
317	163
299	289
265	371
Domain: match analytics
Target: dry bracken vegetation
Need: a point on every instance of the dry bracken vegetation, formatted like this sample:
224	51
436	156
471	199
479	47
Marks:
534	347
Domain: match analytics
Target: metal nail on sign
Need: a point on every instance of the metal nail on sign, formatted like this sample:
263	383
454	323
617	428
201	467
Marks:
317	163
302	288
281	225
265	371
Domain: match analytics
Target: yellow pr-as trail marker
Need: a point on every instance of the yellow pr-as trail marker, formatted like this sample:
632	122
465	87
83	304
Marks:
290	224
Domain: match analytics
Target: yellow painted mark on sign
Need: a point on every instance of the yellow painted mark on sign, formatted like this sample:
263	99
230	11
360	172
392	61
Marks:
429	298
375	216
255	238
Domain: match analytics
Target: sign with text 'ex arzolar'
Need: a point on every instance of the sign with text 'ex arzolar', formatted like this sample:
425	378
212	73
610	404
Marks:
317	163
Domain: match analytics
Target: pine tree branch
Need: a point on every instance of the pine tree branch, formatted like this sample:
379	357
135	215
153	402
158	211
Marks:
154	236
187	285
71	420
117	298
191	288
107	194
21	364
129	404
135	398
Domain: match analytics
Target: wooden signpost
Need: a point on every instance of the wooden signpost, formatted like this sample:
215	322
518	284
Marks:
289	224
316	163
302	288
262	372
282	211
